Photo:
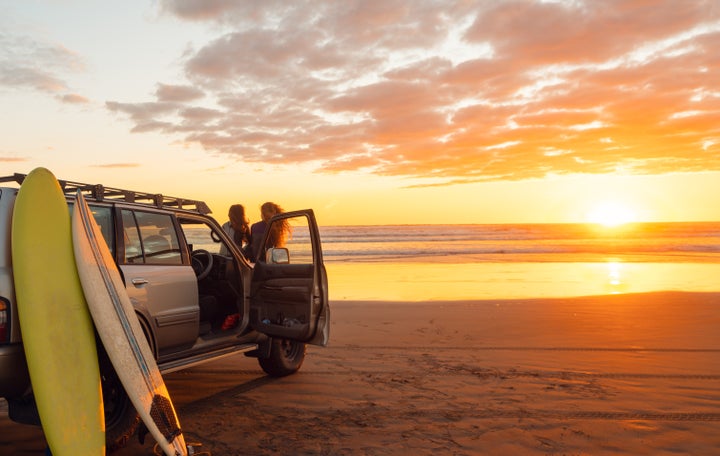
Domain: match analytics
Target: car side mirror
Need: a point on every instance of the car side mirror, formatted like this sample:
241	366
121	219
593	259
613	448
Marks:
277	255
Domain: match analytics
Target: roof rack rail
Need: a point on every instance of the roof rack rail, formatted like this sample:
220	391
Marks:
99	192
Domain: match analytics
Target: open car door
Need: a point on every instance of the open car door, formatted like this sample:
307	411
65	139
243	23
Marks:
289	291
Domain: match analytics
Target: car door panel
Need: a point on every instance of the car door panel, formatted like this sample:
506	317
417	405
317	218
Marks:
163	291
289	300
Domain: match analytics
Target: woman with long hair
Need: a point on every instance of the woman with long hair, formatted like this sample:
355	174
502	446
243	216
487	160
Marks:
237	227
279	232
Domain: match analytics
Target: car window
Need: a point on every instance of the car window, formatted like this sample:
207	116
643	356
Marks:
199	236
295	237
150	238
103	217
133	248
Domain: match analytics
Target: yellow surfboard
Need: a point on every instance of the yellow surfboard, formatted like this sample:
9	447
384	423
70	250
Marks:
57	329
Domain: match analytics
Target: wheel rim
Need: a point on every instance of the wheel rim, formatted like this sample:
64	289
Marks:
289	348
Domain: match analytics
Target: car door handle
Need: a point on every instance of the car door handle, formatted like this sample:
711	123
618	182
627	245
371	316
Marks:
139	282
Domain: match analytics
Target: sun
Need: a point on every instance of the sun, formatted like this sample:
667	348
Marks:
610	214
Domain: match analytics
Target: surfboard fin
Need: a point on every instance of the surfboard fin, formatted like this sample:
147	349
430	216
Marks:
142	432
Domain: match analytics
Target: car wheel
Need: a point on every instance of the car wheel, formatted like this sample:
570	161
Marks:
286	357
121	419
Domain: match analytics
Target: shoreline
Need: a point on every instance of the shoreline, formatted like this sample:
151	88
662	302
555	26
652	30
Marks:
662	294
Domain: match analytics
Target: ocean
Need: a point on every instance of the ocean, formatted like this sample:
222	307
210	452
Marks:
451	262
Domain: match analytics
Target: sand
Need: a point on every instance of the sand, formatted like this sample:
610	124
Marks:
607	375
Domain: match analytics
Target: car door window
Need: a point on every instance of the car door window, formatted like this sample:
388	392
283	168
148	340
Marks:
150	238
201	236
296	240
133	247
103	217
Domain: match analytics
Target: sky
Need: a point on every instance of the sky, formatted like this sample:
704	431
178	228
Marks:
374	112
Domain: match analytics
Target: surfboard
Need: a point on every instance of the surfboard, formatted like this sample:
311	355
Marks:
57	331
121	333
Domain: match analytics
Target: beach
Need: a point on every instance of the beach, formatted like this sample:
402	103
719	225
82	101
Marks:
601	375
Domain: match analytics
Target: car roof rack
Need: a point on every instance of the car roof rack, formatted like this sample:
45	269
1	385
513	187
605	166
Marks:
99	192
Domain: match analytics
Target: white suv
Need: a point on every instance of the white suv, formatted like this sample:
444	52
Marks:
184	277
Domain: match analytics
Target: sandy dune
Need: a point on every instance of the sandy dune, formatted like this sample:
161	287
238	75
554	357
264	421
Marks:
621	374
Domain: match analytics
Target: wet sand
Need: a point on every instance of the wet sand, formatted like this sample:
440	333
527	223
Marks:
618	374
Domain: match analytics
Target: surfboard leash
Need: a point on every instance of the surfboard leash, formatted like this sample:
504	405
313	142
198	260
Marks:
191	450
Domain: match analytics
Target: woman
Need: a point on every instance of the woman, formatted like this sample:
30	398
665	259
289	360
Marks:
278	235
237	227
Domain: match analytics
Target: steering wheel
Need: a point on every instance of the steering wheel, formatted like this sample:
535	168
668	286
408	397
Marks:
202	263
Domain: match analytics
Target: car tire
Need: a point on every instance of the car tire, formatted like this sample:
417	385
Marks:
286	357
121	418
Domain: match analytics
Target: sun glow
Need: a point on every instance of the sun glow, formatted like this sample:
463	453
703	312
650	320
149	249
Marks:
611	214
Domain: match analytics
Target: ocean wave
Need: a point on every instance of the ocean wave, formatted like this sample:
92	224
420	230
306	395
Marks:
521	241
519	250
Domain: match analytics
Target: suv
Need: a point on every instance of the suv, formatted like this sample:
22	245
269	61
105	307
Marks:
184	276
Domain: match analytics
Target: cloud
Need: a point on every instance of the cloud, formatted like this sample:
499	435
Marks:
117	165
201	10
74	98
581	32
26	63
140	112
177	93
453	91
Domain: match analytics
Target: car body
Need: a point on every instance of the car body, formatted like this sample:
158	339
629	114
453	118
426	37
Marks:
184	276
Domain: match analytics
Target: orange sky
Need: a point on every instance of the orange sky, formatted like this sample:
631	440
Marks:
375	112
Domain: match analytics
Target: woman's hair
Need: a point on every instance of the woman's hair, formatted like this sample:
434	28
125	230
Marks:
270	209
280	231
236	214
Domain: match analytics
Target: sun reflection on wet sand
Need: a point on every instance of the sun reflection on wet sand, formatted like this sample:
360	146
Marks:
420	281
615	277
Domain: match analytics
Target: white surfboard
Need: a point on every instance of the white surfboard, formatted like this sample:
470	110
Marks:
121	333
